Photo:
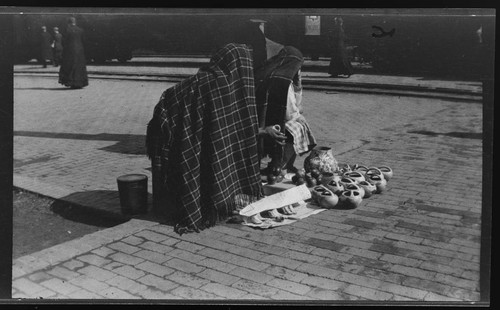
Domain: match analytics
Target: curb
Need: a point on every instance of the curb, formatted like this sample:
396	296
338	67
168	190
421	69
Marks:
313	84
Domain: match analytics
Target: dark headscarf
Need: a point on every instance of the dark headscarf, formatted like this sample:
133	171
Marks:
272	81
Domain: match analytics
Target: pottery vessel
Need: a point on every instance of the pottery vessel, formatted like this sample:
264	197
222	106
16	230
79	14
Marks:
356	176
356	187
346	181
360	168
328	199
386	171
335	187
350	199
344	168
379	182
326	177
322	159
369	188
373	171
317	190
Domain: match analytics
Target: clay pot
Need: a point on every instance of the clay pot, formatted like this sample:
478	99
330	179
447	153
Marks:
322	159
345	168
356	187
386	171
350	199
328	200
356	176
346	181
335	187
373	171
360	168
369	188
317	190
379	182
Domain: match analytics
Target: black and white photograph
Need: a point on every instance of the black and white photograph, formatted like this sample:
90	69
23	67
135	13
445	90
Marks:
278	156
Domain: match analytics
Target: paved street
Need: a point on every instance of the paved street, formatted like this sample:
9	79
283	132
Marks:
418	241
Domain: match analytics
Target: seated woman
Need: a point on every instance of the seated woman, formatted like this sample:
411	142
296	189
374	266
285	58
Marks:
279	102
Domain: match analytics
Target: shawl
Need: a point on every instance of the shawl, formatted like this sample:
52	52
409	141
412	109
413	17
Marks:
272	81
202	141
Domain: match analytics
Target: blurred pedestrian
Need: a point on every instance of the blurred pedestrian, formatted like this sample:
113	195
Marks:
46	41
73	71
340	65
58	47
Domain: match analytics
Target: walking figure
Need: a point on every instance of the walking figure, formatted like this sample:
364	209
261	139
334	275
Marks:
58	47
73	71
340	63
45	47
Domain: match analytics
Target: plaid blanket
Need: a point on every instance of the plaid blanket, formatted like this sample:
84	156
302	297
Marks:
202	142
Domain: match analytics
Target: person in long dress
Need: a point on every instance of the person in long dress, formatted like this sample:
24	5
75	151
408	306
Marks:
73	71
45	47
340	65
58	47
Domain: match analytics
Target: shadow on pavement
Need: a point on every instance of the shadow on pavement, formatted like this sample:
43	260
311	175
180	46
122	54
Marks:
126	143
44	88
455	134
104	212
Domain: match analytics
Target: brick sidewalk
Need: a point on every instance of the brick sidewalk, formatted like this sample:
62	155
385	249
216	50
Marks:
418	241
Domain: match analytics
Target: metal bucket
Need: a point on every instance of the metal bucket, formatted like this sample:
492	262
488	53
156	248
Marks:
133	189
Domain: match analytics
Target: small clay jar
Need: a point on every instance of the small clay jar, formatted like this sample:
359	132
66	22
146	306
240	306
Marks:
369	188
356	187
386	171
328	199
350	199
355	175
335	187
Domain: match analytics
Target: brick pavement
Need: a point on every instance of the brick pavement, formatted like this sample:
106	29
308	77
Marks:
418	241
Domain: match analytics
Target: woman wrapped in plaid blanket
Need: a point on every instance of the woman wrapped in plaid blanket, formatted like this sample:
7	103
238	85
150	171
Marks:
202	143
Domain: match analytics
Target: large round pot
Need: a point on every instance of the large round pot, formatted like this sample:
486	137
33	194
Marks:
350	199
321	158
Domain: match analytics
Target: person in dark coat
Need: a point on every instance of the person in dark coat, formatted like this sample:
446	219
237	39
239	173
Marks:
73	71
58	47
45	47
340	63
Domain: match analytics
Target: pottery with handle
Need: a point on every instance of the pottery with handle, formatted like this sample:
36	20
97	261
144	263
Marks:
369	188
350	199
386	171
